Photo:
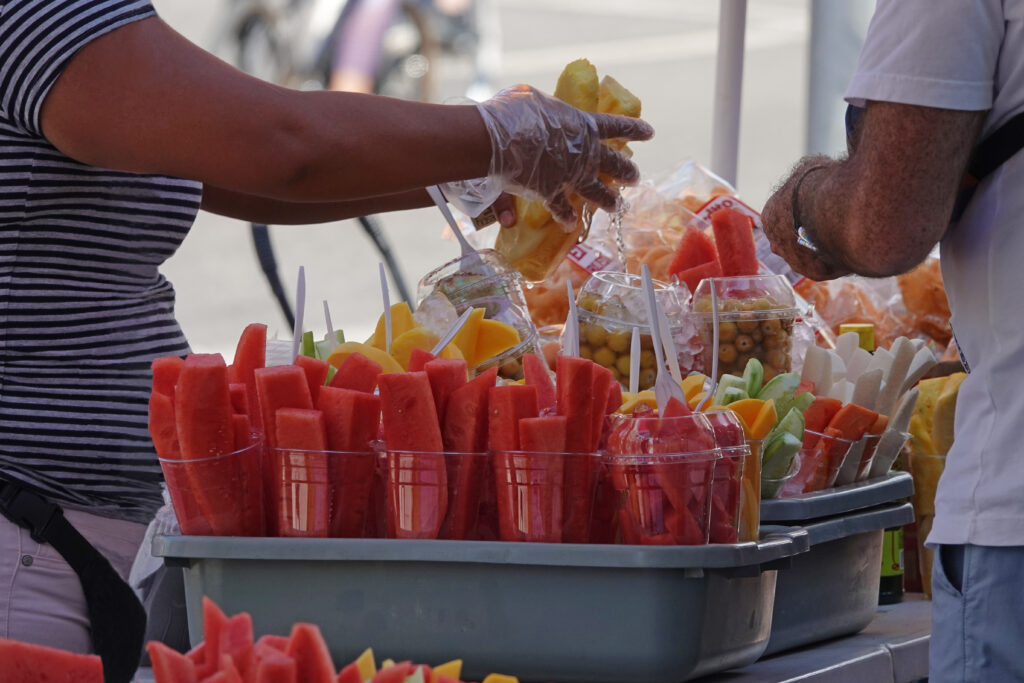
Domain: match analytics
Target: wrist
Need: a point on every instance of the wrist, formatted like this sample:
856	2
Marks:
802	228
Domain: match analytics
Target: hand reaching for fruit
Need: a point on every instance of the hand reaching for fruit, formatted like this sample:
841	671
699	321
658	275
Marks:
544	148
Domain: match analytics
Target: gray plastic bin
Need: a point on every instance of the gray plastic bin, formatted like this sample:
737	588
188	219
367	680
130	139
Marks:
544	612
832	590
836	501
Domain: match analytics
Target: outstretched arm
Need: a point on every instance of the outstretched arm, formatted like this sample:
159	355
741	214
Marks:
880	211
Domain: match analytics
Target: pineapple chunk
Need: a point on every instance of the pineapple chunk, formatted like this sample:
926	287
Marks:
613	98
578	85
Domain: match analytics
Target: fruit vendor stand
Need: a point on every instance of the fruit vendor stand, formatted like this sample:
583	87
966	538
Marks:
627	452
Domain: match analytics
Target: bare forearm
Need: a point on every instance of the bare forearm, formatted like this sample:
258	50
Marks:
257	209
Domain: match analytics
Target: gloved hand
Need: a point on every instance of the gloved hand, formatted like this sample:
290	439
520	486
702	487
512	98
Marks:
543	148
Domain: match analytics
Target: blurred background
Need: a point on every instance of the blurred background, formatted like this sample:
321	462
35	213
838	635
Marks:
662	50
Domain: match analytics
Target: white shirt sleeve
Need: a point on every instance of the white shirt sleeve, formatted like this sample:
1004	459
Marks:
933	53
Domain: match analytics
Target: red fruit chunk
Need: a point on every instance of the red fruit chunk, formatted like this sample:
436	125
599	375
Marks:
316	373
312	658
695	249
280	386
419	358
276	667
445	375
350	674
250	354
691	277
466	418
507	405
573	384
734	239
165	374
26	663
357	373
408	414
169	666
536	373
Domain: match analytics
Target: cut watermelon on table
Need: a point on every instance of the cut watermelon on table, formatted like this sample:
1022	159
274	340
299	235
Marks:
350	674
236	644
445	375
280	386
575	378
536	373
418	358
313	660
250	354
691	277
166	370
507	405
239	398
162	427
168	665
408	415
276	667
734	239
27	663
302	497
358	373
573	384
695	249
316	373
466	418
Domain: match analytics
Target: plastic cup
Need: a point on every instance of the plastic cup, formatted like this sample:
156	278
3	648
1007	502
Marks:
756	316
609	305
508	311
530	489
416	494
469	496
604	519
218	496
771	488
300	494
351	478
868	457
858	461
728	495
821	458
664	499
925	469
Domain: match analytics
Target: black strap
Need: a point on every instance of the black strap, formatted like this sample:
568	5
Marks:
117	618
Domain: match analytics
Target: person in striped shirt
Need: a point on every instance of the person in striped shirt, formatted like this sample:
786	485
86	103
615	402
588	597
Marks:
114	132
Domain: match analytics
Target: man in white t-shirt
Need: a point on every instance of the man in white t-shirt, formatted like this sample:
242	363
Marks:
935	78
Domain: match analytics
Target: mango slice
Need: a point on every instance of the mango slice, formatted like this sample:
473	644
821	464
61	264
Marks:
692	385
343	351
494	338
366	665
418	337
452	670
466	337
765	421
401	322
748	410
631	401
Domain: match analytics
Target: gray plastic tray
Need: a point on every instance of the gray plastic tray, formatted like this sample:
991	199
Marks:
832	590
542	612
865	494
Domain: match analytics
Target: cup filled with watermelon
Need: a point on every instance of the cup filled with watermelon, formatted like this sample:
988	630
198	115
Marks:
609	305
210	456
663	468
736	494
756	315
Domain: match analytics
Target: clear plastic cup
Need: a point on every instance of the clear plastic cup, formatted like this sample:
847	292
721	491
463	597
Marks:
756	316
610	304
484	274
858	461
664	499
416	486
771	487
821	458
300	493
729	433
727	494
505	310
469	496
867	458
530	487
218	496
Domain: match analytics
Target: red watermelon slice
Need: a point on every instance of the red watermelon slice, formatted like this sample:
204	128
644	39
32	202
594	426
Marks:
695	249
445	375
358	373
26	663
419	358
536	372
316	373
280	386
276	667
250	354
303	494
350	674
165	374
312	658
573	380
239	398
601	381
692	276
734	238
507	405
408	414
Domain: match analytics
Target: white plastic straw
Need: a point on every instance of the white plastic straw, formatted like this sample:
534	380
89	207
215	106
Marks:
300	306
386	296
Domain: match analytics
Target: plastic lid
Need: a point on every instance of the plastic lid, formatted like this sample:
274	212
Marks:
618	298
760	295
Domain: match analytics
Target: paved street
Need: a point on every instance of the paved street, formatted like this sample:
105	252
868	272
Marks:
663	50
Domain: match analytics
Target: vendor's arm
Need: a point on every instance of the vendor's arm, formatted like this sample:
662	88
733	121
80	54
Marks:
880	211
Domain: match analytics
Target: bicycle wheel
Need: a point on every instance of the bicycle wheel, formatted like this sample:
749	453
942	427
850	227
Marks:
257	50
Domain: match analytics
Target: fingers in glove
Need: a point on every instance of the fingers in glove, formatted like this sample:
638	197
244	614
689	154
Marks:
626	127
560	208
617	166
599	193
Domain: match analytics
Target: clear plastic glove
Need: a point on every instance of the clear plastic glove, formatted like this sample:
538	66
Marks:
543	148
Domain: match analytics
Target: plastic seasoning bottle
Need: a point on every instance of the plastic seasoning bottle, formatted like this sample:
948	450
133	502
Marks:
890	585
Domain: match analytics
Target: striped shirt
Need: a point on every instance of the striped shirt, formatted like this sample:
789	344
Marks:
83	307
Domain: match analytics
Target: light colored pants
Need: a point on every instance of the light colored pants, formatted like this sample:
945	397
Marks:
41	599
977	614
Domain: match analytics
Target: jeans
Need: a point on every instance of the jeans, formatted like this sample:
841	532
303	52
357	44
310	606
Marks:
977	614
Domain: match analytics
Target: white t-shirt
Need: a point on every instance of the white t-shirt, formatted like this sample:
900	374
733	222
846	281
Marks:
969	55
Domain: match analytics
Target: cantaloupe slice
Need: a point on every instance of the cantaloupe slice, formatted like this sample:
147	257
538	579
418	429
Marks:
748	409
692	385
631	401
695	400
466	337
493	338
765	421
418	337
401	322
343	351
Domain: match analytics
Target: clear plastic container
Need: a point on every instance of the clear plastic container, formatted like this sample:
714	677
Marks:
729	433
756	316
610	304
483	274
727	494
504	309
821	458
218	496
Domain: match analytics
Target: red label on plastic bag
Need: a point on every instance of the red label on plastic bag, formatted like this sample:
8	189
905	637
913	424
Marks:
724	201
588	258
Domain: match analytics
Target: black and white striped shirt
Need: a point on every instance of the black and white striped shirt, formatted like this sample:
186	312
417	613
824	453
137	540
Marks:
83	307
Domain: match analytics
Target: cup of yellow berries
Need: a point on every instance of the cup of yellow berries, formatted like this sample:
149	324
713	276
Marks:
609	305
755	320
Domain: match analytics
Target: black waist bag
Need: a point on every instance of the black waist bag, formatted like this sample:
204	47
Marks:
116	617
